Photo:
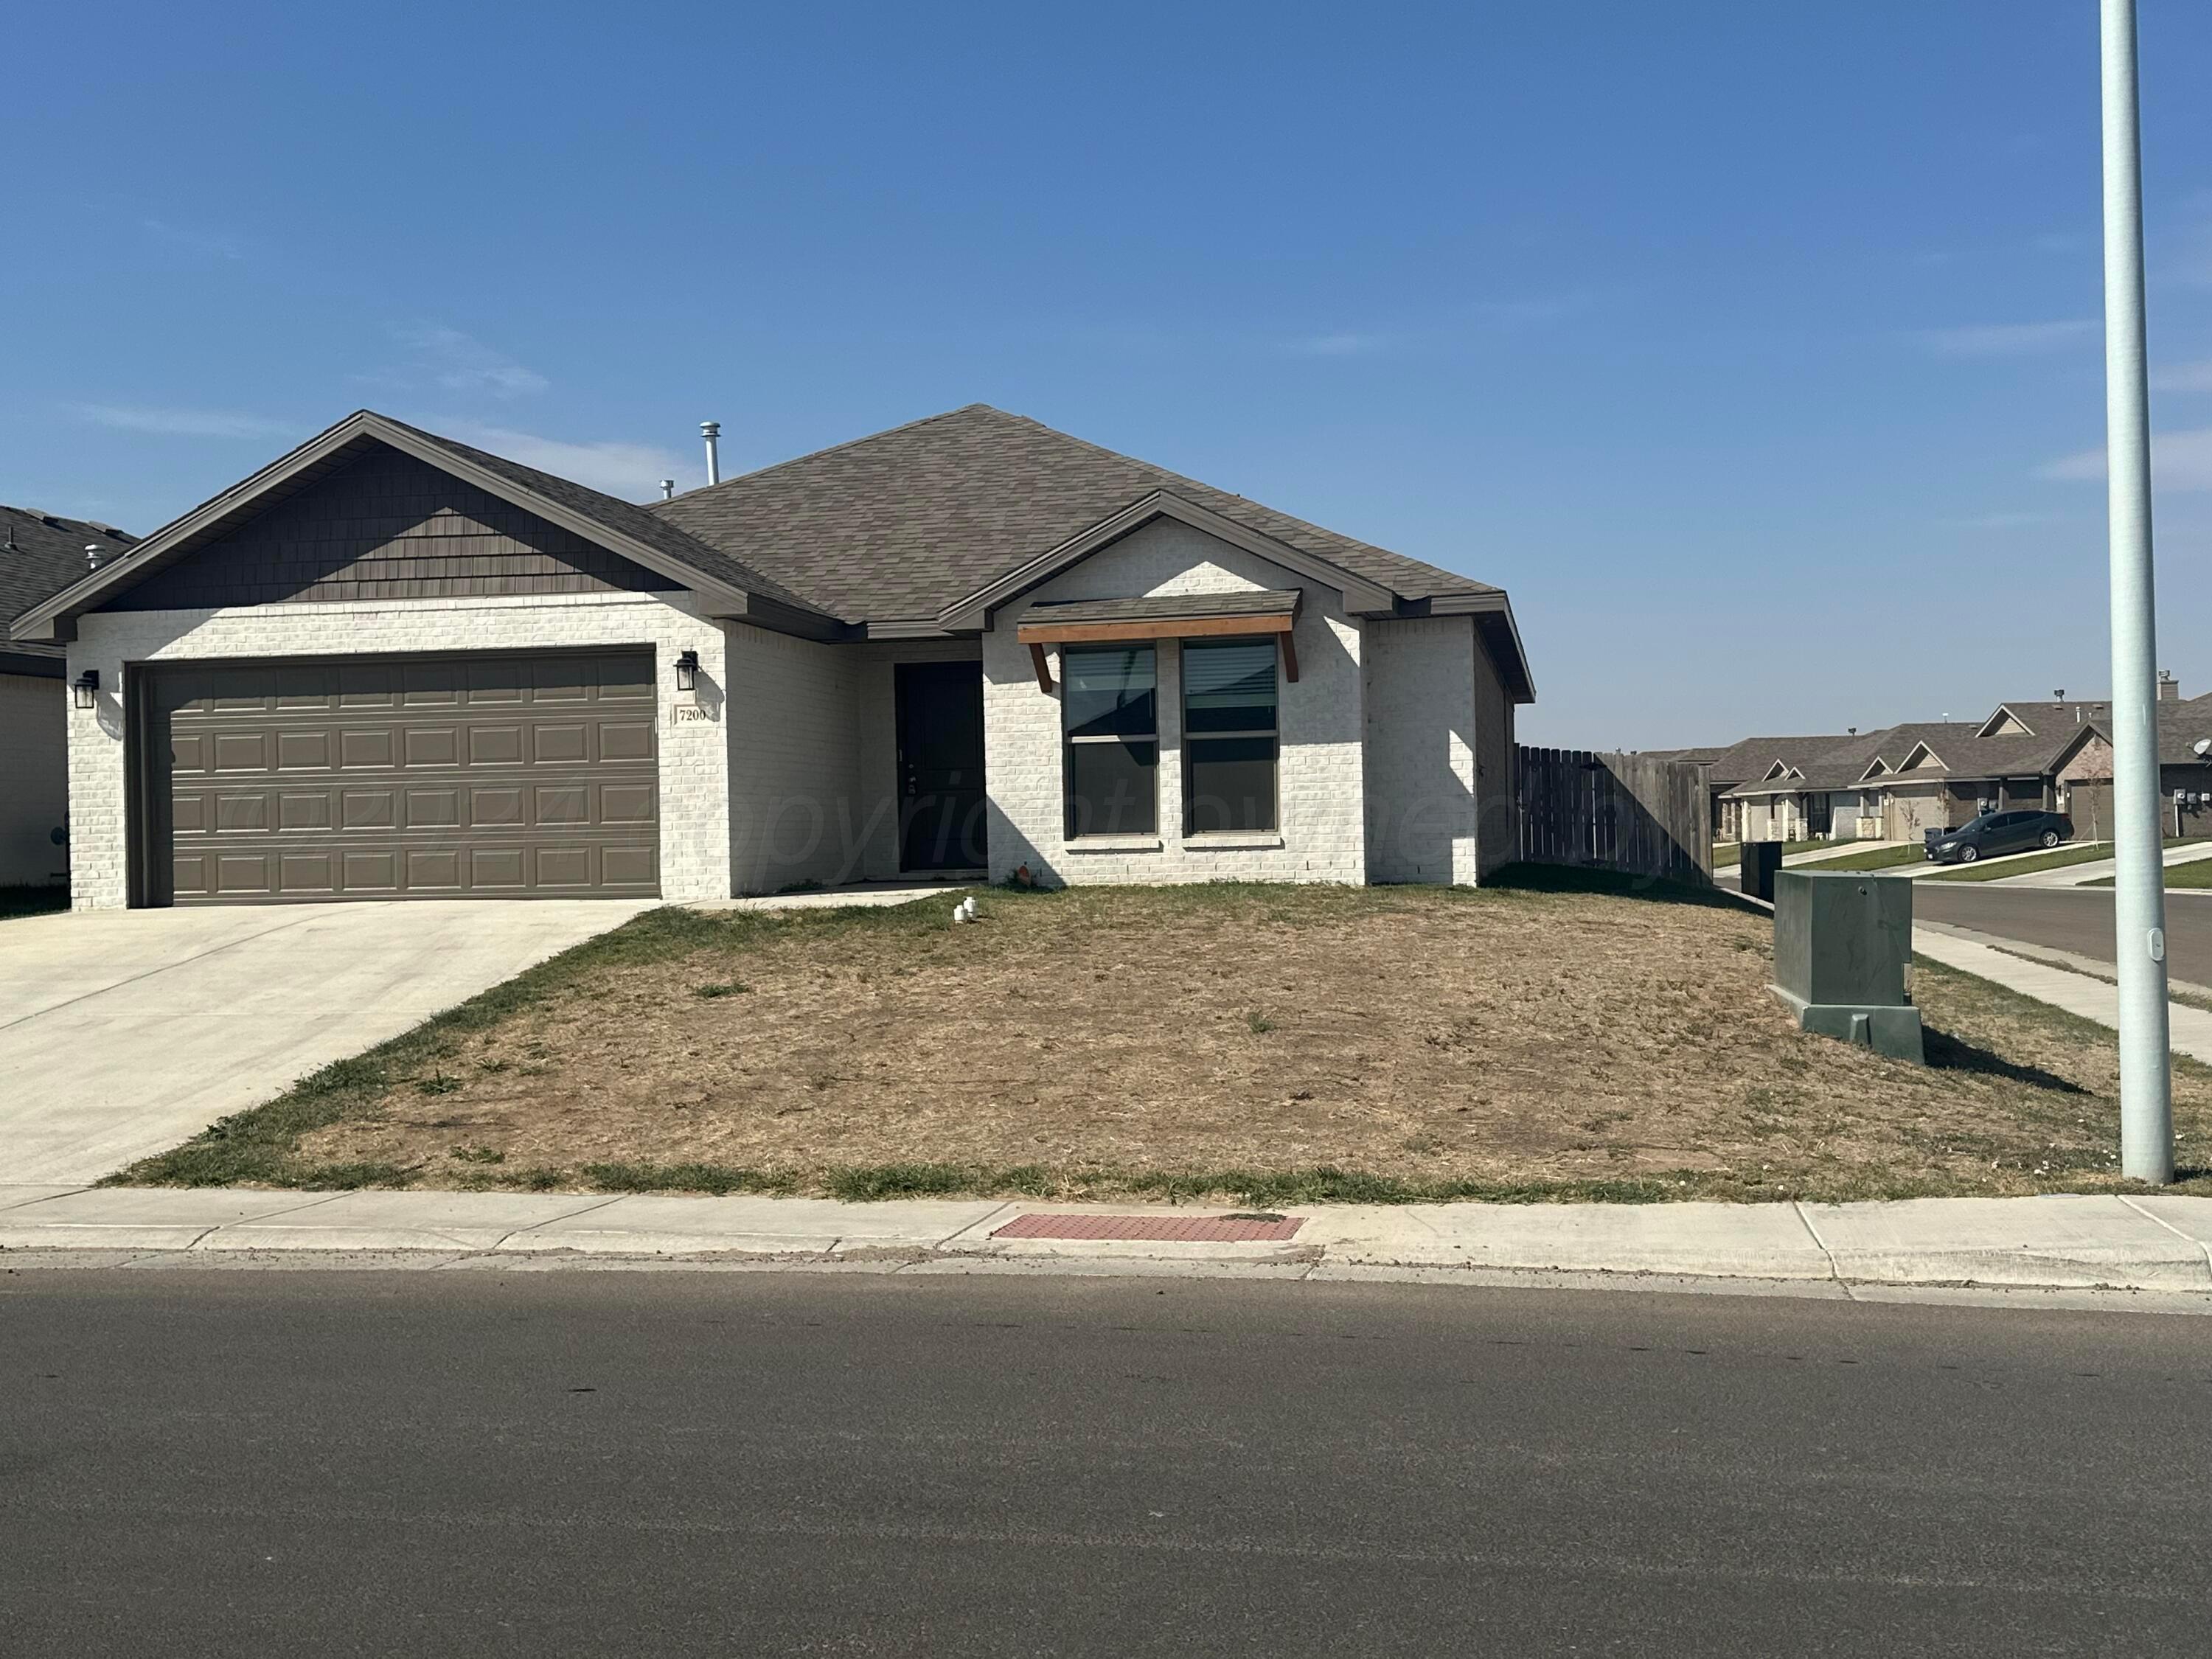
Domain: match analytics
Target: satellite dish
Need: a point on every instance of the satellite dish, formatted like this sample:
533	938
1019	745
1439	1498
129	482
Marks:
2203	747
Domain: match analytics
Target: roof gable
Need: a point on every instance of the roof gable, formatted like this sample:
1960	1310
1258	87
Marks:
386	526
726	584
906	522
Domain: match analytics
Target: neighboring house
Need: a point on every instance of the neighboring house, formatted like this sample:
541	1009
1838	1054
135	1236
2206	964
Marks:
389	665
1757	787
40	554
1900	782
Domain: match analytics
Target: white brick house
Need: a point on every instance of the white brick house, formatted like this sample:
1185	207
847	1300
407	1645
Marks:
389	665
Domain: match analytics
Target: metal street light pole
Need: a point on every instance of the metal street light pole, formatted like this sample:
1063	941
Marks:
2139	890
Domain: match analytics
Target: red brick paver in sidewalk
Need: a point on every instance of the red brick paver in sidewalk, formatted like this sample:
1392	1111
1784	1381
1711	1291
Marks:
1197	1229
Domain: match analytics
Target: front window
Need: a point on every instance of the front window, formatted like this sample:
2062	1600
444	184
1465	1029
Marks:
1109	708
1229	736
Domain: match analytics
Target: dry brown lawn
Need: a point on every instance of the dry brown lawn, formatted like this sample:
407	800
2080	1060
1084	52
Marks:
1514	1043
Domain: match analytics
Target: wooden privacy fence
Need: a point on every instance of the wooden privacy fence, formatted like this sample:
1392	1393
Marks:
1625	812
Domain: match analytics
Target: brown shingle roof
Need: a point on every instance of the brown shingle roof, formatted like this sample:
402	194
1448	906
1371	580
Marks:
900	525
40	554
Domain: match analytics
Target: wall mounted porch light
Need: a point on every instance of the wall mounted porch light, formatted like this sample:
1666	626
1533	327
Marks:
687	671
84	690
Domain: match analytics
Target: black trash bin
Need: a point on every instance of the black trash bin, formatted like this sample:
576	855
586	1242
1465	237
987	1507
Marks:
1761	861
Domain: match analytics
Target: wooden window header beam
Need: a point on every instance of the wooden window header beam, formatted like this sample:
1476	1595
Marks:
1038	635
1166	628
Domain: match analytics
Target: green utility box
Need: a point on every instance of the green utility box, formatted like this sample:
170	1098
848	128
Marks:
1843	959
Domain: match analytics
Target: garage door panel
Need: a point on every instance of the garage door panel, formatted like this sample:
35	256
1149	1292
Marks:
626	740
367	685
495	808
434	869
563	804
450	776
242	751
315	874
243	688
633	866
303	751
433	809
246	873
371	872
557	681
564	866
241	812
431	745
366	748
431	684
559	745
368	809
628	802
495	866
494	680
309	686
495	746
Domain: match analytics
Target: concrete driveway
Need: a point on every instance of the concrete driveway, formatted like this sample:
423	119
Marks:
124	1032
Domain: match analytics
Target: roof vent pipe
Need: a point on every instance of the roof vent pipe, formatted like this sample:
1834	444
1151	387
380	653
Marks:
92	555
668	489
712	432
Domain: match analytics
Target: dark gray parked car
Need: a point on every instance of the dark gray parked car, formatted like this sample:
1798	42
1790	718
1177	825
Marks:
1998	832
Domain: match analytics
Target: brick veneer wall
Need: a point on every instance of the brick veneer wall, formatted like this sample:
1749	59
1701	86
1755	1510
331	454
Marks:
694	754
1422	819
34	768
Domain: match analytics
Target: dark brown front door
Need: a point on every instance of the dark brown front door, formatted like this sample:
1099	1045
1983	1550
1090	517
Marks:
490	775
941	763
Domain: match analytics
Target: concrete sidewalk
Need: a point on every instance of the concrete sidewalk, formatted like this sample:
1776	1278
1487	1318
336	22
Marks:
2159	1244
2079	875
2189	1030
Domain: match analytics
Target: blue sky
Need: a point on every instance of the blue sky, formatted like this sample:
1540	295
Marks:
1754	348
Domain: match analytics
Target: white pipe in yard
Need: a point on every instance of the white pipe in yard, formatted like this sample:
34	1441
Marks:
2139	889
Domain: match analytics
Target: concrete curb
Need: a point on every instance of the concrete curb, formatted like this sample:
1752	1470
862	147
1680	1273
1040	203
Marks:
2149	1243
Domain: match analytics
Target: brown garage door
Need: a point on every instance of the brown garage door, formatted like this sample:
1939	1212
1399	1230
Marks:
479	776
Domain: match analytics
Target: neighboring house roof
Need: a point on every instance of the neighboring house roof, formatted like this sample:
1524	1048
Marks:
2043	719
1751	761
922	529
40	554
2181	725
909	522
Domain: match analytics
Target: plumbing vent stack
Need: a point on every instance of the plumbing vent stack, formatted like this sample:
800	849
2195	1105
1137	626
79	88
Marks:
712	432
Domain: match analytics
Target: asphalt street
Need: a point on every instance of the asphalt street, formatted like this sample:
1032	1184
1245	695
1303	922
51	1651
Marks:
2076	919
316	1463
